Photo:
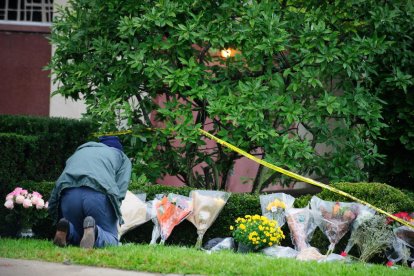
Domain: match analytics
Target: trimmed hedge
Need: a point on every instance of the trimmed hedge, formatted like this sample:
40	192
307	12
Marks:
380	195
15	161
37	147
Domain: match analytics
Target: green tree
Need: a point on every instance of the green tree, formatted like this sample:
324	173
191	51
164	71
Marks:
395	83
303	76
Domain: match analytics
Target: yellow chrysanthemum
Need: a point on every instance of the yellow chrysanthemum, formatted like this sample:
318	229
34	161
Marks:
276	204
256	231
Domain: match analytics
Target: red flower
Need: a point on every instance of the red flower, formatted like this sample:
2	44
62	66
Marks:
402	215
344	254
389	264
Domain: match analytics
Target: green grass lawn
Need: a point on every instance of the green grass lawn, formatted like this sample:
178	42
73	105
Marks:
183	260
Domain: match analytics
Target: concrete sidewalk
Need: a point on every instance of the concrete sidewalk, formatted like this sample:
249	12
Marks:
15	267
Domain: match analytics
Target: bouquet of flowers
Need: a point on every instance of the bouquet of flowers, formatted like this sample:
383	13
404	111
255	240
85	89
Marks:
333	218
365	214
256	232
206	207
402	248
301	225
274	205
170	211
134	211
25	208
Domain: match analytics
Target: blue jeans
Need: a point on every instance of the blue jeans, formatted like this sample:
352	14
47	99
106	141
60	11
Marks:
78	203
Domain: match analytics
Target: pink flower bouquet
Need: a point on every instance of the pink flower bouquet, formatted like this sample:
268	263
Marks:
25	208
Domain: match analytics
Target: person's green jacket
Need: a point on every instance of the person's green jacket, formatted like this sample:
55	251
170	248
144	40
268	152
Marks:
98	166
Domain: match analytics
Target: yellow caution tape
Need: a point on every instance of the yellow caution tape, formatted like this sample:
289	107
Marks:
301	178
114	133
283	171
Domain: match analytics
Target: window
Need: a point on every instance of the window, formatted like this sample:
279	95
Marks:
26	10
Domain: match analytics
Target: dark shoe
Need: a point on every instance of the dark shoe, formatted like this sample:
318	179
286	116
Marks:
88	239
62	231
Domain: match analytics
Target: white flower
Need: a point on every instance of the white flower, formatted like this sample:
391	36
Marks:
20	199
9	204
35	200
27	203
40	204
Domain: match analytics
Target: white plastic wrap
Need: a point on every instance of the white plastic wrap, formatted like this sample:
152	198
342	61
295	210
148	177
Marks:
280	252
225	244
301	226
170	211
402	245
364	213
274	205
333	258
156	231
333	218
206	207
310	254
134	212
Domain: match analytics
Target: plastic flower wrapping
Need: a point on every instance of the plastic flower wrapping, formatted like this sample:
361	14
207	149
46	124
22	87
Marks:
207	205
170	211
402	246
134	212
364	214
274	205
25	207
301	226
256	232
333	218
156	231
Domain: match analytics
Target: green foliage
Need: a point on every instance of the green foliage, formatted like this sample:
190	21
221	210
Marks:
373	237
395	84
380	195
36	148
15	163
305	74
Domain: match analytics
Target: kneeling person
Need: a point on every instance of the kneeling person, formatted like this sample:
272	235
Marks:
87	196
